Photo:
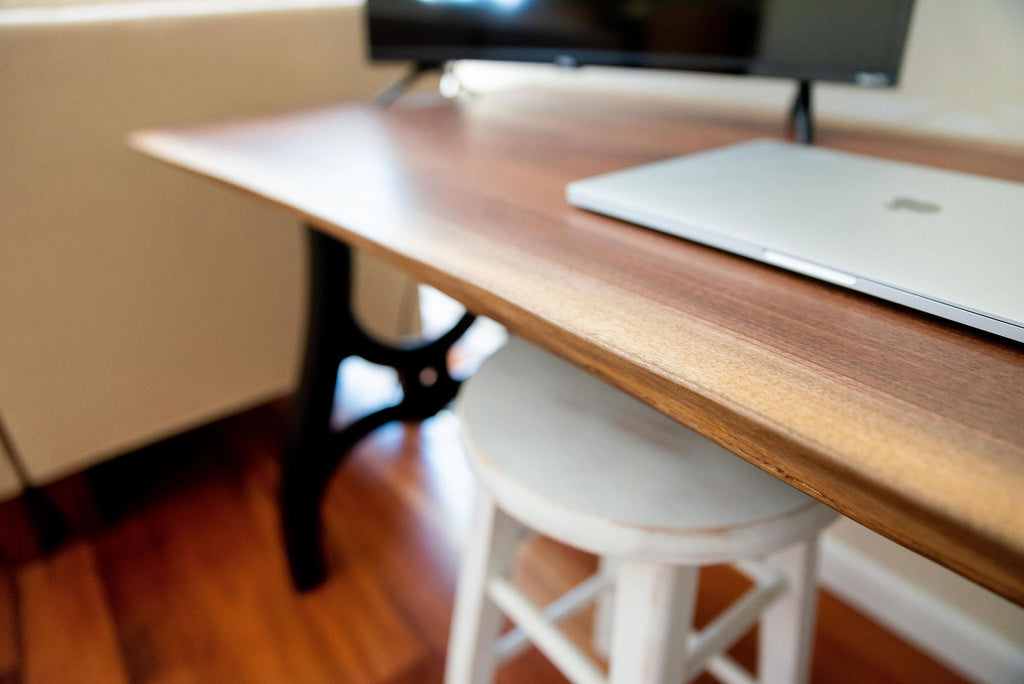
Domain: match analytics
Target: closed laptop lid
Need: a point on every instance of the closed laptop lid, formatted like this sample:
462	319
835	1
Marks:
944	242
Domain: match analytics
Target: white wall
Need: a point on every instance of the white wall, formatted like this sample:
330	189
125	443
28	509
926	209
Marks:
969	628
966	67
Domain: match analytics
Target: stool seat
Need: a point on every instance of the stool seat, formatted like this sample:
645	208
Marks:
582	462
559	452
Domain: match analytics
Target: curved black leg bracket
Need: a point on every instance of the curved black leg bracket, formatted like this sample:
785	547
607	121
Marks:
313	449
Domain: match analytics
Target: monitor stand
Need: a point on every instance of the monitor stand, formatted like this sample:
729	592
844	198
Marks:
800	114
801	118
395	90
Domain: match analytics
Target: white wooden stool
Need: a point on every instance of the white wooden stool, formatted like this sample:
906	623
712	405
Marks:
559	452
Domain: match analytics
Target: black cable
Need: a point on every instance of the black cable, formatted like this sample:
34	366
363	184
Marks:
49	524
6	564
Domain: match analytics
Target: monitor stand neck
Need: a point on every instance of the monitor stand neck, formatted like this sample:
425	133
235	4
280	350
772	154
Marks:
395	90
800	115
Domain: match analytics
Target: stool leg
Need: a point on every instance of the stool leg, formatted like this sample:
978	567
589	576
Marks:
787	626
653	617
489	552
604	609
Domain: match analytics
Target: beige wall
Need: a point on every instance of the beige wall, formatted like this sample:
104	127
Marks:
137	300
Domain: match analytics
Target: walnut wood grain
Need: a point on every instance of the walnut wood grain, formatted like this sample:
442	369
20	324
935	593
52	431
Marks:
911	425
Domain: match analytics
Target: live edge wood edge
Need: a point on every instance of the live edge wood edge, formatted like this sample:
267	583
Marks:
944	473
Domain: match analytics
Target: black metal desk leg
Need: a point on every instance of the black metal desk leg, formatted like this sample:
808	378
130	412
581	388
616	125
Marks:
313	449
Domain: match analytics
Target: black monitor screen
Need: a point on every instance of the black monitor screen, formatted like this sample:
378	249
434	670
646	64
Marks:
857	41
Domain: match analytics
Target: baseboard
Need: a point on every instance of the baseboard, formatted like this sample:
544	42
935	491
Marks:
946	634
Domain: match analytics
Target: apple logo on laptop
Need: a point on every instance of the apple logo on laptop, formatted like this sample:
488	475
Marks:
911	204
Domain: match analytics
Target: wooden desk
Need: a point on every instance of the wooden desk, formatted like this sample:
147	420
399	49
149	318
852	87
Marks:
910	425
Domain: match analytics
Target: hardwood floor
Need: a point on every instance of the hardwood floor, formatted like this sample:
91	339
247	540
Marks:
174	573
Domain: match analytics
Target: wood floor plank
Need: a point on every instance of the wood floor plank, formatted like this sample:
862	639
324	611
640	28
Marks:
362	627
194	597
366	520
352	614
852	648
18	543
10	627
68	634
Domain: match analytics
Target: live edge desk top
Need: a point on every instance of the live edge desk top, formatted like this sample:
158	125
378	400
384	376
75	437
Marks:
910	425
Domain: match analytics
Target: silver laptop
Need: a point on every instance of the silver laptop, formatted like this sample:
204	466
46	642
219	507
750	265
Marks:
947	243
